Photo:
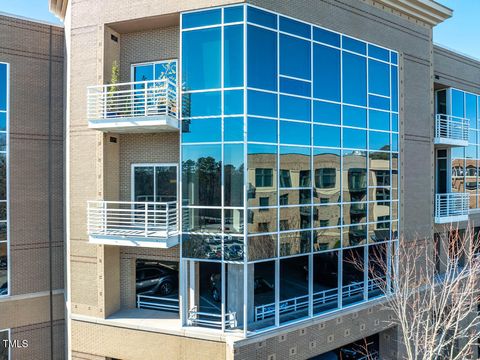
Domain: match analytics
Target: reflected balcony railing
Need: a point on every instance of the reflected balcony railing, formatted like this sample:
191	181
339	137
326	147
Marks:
451	207
158	303
211	320
134	220
451	130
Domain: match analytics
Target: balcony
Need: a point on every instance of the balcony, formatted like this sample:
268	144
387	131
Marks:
144	106
451	130
147	224
451	207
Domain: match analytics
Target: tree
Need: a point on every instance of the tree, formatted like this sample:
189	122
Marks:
433	295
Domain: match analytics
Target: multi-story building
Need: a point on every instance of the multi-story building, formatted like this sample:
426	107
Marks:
31	189
227	160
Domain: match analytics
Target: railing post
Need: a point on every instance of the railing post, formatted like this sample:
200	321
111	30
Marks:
104	207
145	98
104	103
146	219
167	215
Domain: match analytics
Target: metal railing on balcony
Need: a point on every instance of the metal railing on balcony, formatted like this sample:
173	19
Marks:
132	219
204	319
133	99
451	129
158	303
451	205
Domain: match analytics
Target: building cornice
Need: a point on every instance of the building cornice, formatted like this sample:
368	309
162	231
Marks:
58	8
428	11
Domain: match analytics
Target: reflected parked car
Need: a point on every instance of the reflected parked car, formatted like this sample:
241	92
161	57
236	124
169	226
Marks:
158	280
260	286
4	289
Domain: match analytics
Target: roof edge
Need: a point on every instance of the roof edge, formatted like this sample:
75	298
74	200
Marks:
58	8
428	11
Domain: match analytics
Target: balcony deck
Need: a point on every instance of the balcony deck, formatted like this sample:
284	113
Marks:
145	224
144	106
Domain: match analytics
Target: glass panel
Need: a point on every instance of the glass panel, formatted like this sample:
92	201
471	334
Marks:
201	18
295	87
261	17
354	79
326	239
262	220
199	246
262	130
201	166
262	168
233	249
379	102
297	242
395	122
471	109
393	57
262	103
233	129
354	235
293	288
233	174
262	58
354	139
295	57
324	135
3	87
233	221
354	116
379	167
202	130
201	54
441	102
324	112
233	55
379	120
352	280
325	281
166	70
262	247
354	176
294	133
378	78
378	52
203	220
326	164
3	121
202	104
354	45
377	270
3	269
143	72
379	140
166	183
326	73
326	37
143	183
379	232
294	108
458	104
297	161
233	14
295	27
295	218
354	213
233	102
263	295
295	197
394	84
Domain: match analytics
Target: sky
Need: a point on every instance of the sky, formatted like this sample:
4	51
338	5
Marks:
460	33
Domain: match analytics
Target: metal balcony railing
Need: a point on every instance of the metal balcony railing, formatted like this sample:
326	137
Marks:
451	206
451	129
133	99
158	303
204	319
132	219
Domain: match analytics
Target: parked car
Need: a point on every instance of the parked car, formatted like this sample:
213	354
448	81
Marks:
4	289
260	286
156	279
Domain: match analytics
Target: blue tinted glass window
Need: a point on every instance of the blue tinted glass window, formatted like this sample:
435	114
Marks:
262	58
233	55
394	122
294	108
379	102
378	53
261	17
203	130
326	37
166	70
294	57
233	129
394	96
3	121
379	120
354	45
326	73
394	142
201	54
326	112
143	73
354	139
233	102
326	135
458	105
471	109
294	133
295	87
379	140
262	130
393	57
201	18
3	87
354	79
202	104
378	78
354	116
262	103
232	14
294	27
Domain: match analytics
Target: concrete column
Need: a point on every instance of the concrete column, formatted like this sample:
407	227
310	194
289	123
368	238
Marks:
235	288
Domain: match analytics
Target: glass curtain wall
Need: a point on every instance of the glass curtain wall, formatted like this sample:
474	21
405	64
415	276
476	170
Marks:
317	144
465	160
4	107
